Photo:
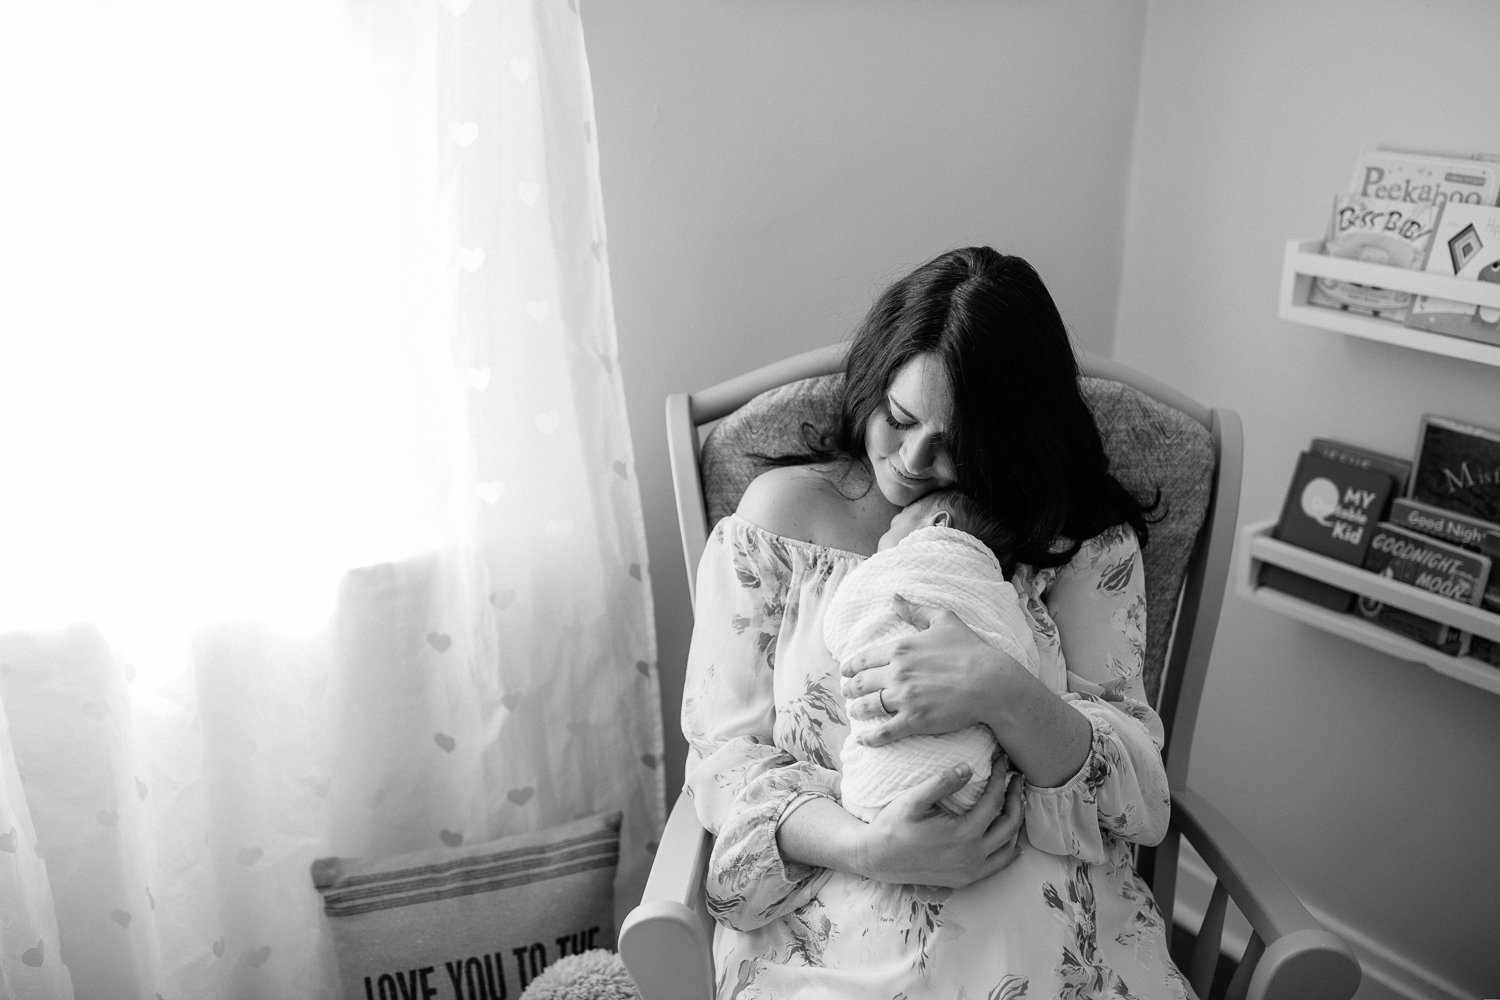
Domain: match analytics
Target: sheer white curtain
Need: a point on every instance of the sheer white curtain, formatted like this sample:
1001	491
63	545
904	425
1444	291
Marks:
319	528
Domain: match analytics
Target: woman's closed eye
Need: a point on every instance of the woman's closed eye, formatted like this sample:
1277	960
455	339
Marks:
890	418
898	418
897	415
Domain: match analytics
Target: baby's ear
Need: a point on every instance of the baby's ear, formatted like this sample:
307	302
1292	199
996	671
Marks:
942	519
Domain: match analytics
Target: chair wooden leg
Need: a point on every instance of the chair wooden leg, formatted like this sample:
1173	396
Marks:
1239	986
1210	935
1164	878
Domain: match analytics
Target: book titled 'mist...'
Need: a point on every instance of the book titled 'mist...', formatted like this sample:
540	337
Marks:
1331	509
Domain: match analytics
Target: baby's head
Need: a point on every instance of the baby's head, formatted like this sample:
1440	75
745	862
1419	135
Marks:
956	510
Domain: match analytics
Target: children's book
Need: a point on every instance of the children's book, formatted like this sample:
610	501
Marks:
1399	469
1458	468
1484	649
1331	508
1455	529
1467	533
1433	566
1380	231
1426	177
1465	244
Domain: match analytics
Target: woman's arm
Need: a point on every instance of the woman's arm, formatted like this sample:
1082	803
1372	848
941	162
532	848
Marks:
1093	763
1098	602
741	783
779	828
945	678
911	841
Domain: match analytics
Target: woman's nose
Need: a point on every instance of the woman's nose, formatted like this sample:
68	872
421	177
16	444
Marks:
917	453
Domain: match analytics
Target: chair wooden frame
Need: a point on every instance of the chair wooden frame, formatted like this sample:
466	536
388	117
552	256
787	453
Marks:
666	941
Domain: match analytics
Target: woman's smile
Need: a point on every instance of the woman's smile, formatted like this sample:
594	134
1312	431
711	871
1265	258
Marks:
904	475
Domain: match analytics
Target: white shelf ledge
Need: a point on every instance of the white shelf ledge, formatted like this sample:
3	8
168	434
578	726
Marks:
1305	261
1258	547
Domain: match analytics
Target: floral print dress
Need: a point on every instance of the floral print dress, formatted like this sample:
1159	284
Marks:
765	723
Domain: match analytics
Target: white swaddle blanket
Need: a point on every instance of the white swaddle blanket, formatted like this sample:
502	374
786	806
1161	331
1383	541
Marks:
937	567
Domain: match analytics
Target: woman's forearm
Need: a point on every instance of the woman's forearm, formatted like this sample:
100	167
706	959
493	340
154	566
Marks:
1047	739
910	841
820	832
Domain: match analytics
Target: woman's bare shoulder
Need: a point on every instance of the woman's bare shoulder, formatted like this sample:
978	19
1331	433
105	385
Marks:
795	501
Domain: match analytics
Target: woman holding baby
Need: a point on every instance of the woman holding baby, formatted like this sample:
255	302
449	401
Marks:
961	376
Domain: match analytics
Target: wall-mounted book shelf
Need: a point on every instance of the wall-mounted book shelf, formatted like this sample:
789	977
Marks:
1257	547
1305	261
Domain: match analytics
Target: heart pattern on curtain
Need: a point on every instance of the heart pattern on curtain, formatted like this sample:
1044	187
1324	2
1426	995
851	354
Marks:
175	751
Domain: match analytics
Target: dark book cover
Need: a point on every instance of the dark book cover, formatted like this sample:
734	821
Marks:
1331	508
1317	592
1484	650
1468	533
1399	469
1443	638
1455	529
1458	468
1434	566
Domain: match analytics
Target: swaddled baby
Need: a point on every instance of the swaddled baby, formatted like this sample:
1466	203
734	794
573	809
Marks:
932	555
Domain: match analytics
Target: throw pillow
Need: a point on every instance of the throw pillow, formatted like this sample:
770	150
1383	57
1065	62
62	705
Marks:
471	923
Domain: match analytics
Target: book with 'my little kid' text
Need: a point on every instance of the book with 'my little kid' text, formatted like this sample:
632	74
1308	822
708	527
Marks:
1399	469
1331	508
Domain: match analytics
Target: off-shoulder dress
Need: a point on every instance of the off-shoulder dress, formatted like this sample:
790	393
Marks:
765	723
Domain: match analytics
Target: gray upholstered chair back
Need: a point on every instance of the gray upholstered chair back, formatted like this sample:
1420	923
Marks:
1151	446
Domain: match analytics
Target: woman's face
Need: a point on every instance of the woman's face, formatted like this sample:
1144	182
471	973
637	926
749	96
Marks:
906	436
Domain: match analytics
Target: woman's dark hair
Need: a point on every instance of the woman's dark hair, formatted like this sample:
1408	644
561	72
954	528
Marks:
1023	440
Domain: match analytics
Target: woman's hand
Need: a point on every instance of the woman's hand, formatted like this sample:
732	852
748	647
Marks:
945	678
940	680
911	841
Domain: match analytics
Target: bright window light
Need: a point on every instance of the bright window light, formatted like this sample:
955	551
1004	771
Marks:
224	378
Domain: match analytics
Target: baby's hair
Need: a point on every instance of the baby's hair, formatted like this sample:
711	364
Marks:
969	515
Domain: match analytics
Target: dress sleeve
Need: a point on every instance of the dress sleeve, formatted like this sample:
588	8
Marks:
742	785
1098	602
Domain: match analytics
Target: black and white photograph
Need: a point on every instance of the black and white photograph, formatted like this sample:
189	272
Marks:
749	500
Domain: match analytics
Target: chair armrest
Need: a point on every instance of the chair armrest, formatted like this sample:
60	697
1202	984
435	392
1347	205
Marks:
667	941
682	453
1300	959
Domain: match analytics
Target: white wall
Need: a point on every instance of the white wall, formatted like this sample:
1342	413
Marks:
1370	783
768	165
